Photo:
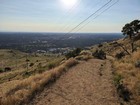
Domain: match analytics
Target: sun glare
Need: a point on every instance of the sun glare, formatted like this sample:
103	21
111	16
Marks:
68	3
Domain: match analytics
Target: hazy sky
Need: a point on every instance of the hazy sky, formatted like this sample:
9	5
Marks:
64	15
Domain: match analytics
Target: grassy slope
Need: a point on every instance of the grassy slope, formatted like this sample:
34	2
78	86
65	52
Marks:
25	89
16	60
127	74
21	83
18	64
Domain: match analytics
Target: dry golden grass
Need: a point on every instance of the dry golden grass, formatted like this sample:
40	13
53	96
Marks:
131	74
27	88
84	55
136	56
19	65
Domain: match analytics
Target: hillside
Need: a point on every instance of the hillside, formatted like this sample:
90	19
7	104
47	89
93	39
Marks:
43	78
16	66
23	65
126	69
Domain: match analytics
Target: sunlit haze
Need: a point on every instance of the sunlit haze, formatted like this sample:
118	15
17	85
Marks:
68	3
64	15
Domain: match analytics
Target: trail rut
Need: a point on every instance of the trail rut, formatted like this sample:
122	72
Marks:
88	83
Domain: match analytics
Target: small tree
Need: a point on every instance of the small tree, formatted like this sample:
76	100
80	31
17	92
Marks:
132	30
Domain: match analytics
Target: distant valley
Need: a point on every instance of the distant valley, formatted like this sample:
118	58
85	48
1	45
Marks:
53	42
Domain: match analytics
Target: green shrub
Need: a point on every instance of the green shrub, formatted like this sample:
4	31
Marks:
6	69
1	70
31	64
100	45
51	65
117	79
100	54
122	90
26	74
120	55
73	53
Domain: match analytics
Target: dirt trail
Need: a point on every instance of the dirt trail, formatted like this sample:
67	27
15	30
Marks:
88	83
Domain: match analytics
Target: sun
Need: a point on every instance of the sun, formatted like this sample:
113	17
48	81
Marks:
69	3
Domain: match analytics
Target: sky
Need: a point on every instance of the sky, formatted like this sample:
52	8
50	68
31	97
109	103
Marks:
64	15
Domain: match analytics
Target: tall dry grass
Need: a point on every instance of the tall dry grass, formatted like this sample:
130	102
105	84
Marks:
128	62
131	74
27	88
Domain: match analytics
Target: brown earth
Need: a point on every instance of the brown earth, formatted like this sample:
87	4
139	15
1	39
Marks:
88	83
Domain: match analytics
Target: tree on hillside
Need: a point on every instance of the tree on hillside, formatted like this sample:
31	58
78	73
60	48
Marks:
132	30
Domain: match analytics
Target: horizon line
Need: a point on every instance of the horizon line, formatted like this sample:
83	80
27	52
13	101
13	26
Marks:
56	32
